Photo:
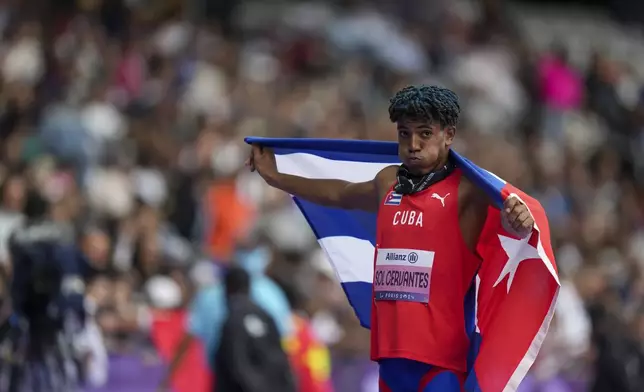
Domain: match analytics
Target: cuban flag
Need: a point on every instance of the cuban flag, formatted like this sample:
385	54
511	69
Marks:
512	300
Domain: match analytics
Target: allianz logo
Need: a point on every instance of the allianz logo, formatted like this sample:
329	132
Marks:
411	257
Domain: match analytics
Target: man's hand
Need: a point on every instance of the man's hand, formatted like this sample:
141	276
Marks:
517	217
262	160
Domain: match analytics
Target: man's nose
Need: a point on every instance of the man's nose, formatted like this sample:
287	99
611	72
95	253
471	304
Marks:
414	144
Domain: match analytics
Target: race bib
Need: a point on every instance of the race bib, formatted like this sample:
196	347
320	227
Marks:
403	275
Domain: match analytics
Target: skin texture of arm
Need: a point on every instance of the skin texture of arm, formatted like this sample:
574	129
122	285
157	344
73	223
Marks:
337	193
331	193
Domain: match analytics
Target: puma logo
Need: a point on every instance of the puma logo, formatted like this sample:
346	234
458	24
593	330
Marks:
442	199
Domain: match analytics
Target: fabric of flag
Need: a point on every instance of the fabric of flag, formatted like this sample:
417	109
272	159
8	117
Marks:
509	308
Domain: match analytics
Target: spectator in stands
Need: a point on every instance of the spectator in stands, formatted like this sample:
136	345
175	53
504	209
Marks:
250	357
308	353
208	310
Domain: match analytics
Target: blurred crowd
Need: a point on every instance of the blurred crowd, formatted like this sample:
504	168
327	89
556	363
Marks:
129	117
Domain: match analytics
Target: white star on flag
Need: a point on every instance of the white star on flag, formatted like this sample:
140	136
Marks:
517	251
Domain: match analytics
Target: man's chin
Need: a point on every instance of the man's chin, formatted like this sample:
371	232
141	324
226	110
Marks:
417	167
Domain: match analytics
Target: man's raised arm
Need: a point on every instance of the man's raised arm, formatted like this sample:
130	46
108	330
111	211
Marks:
332	193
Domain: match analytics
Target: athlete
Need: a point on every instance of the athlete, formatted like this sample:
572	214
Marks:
429	213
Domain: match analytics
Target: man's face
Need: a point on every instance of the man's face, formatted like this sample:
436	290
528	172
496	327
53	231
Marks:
422	145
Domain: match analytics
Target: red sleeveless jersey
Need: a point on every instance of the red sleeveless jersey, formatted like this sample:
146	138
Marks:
422	272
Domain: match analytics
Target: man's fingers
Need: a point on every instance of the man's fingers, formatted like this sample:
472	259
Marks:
260	156
510	203
520	219
517	215
256	151
250	163
514	207
522	223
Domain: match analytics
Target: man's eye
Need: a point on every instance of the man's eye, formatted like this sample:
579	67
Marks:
427	133
403	133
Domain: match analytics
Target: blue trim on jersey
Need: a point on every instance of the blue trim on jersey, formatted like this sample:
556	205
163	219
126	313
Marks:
403	375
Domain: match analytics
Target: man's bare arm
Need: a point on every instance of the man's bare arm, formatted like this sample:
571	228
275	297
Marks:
332	193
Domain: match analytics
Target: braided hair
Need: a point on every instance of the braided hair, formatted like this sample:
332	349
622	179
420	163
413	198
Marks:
424	103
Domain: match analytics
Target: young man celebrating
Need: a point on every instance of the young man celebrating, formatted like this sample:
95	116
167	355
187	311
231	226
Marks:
430	216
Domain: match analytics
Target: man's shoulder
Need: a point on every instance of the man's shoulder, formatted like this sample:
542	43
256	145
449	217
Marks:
385	179
387	174
472	195
266	291
43	232
242	307
210	294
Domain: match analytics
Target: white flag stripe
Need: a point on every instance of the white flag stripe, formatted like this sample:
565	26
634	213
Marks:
313	166
352	258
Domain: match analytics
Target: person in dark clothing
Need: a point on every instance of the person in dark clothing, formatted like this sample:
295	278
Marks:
250	357
47	301
618	360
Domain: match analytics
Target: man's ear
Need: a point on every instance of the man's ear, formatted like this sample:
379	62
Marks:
450	132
